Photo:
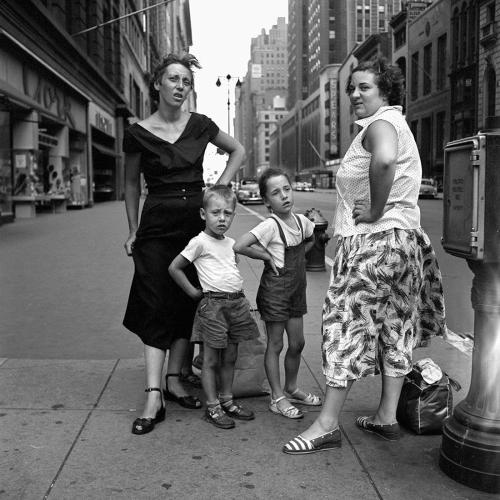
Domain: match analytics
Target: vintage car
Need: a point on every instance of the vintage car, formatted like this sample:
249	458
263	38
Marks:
428	189
248	192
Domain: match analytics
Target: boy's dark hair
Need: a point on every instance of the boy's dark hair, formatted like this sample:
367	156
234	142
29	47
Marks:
267	174
388	77
220	190
187	60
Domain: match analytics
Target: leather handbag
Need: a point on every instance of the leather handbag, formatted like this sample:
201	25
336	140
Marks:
423	407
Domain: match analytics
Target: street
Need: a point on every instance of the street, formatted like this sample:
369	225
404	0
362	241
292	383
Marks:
72	381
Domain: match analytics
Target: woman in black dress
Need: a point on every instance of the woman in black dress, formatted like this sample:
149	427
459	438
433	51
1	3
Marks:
168	148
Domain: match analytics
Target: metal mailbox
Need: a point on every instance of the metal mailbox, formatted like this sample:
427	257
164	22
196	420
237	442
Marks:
471	193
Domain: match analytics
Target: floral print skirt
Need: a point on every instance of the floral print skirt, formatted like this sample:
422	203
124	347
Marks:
385	298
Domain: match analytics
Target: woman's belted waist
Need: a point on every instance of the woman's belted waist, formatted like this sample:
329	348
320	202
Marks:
176	189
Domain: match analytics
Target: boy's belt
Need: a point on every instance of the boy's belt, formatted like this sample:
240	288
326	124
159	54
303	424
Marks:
224	295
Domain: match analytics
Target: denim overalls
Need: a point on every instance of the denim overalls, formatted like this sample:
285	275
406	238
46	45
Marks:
282	297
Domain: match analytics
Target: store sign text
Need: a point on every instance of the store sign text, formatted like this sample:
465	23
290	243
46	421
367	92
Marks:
49	96
102	123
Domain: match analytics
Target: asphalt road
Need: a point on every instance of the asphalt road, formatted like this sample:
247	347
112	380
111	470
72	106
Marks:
457	277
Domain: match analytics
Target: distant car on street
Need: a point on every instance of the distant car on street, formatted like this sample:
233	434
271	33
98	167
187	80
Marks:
248	192
302	186
427	189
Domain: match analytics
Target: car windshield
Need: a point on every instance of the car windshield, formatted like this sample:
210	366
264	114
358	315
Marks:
427	182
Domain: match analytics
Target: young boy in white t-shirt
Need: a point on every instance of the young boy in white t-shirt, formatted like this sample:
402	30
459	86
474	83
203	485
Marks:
223	318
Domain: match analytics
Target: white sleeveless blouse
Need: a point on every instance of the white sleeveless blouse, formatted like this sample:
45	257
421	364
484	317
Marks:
353	183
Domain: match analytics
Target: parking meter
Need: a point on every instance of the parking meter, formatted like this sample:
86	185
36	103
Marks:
470	448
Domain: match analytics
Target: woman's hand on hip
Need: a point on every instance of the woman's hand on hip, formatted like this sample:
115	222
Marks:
129	244
362	212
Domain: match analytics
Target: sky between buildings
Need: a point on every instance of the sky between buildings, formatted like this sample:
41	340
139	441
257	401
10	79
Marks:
222	31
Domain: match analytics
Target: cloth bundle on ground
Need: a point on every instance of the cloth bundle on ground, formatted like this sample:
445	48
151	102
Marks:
426	398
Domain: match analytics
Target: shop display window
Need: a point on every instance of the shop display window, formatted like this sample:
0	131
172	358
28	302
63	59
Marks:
5	164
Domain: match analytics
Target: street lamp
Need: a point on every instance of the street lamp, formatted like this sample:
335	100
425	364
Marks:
228	78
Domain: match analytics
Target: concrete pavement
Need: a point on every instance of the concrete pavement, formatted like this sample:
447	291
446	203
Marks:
71	383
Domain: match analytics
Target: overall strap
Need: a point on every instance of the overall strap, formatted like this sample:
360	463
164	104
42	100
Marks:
299	223
280	229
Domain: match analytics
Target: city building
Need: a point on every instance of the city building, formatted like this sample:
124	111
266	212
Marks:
72	77
464	66
265	125
488	65
322	33
266	78
428	86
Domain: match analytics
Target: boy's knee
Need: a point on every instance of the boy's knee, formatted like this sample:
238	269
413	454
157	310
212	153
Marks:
276	345
296	346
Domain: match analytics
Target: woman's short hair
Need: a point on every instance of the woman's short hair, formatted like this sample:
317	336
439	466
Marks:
221	191
389	78
267	174
187	60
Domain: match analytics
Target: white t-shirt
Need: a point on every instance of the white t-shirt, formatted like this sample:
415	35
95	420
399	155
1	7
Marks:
267	234
353	179
215	263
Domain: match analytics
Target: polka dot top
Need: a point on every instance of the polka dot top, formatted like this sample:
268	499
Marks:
353	180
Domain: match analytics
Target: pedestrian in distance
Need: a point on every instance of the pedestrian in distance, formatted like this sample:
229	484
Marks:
223	317
167	148
385	295
281	241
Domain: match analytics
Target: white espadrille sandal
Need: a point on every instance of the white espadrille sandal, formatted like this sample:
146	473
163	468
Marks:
302	446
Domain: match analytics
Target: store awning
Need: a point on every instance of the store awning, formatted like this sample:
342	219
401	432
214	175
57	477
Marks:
105	151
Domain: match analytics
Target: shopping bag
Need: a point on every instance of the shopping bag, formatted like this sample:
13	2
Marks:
249	372
426	398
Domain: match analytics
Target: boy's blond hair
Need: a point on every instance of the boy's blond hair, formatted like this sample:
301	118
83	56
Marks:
220	190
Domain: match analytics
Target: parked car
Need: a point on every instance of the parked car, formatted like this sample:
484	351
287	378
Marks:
302	186
248	192
307	186
427	189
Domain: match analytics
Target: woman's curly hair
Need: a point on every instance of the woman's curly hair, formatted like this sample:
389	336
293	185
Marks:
389	79
187	60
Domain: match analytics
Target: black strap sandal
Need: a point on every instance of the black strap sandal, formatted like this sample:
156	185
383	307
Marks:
190	402
144	425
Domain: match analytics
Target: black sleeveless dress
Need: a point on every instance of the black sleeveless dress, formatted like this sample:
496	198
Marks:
158	311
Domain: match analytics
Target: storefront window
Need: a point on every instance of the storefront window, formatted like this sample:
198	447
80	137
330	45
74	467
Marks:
5	164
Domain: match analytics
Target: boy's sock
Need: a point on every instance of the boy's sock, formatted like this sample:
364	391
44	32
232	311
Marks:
213	404
235	410
225	399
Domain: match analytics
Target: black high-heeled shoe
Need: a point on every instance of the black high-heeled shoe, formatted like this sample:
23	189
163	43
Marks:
191	402
144	425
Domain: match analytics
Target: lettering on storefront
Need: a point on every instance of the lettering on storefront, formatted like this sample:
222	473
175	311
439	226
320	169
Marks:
101	119
48	95
102	123
333	116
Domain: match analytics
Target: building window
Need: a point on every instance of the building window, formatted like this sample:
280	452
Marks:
491	84
463	36
440	134
414	76
442	63
427	69
399	38
455	38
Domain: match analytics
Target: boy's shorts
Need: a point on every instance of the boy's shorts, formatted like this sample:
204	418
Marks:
223	318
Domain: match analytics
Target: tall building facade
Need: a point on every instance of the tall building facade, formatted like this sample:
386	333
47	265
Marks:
266	79
67	92
321	35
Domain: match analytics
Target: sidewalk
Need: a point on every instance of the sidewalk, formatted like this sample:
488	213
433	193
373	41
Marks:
71	383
